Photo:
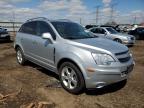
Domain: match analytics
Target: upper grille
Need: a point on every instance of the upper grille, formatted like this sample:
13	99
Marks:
126	59
123	56
121	53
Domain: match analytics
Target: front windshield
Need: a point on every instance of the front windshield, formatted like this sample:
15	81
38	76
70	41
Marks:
111	30
70	30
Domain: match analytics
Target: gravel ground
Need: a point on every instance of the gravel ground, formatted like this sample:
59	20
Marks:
21	86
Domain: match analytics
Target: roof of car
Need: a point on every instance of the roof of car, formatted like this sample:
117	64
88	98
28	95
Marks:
100	27
46	19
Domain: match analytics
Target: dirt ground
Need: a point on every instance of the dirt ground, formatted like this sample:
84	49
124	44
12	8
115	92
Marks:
22	85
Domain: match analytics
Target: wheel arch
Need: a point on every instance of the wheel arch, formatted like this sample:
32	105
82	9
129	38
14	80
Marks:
16	46
61	61
116	39
66	60
120	40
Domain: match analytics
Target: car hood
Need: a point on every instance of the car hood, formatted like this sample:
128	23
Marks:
102	44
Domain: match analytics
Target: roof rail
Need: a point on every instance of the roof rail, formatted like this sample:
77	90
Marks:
36	18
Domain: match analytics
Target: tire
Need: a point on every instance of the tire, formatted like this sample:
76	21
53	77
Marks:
71	78
118	40
20	56
8	39
137	37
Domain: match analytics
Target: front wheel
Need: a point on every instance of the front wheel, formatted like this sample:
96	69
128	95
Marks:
71	78
118	40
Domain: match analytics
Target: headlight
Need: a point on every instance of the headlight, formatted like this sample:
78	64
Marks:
102	59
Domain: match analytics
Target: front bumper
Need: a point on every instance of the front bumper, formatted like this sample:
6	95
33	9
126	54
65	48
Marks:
105	76
129	42
4	37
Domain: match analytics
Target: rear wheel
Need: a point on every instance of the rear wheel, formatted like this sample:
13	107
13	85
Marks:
71	78
20	56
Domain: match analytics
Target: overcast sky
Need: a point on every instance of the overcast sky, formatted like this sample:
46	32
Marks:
125	11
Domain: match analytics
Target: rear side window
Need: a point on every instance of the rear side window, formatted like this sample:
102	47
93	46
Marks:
95	30
29	28
43	27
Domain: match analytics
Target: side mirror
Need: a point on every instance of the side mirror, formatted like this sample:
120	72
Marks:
47	36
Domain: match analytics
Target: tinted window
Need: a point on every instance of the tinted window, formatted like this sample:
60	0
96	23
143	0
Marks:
93	30
43	27
29	28
69	30
98	30
140	29
101	31
112	31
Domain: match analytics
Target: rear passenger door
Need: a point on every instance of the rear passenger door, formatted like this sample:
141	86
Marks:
99	32
27	33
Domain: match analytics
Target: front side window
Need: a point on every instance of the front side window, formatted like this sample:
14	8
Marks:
111	30
94	30
101	31
70	30
43	27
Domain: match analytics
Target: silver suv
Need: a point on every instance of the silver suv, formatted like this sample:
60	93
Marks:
110	33
79	58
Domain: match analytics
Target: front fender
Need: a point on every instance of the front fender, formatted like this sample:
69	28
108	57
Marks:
75	58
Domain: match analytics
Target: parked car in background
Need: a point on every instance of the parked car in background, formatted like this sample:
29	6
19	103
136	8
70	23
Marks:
138	33
79	58
4	35
110	33
114	27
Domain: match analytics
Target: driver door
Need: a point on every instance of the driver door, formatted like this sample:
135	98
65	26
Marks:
43	48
